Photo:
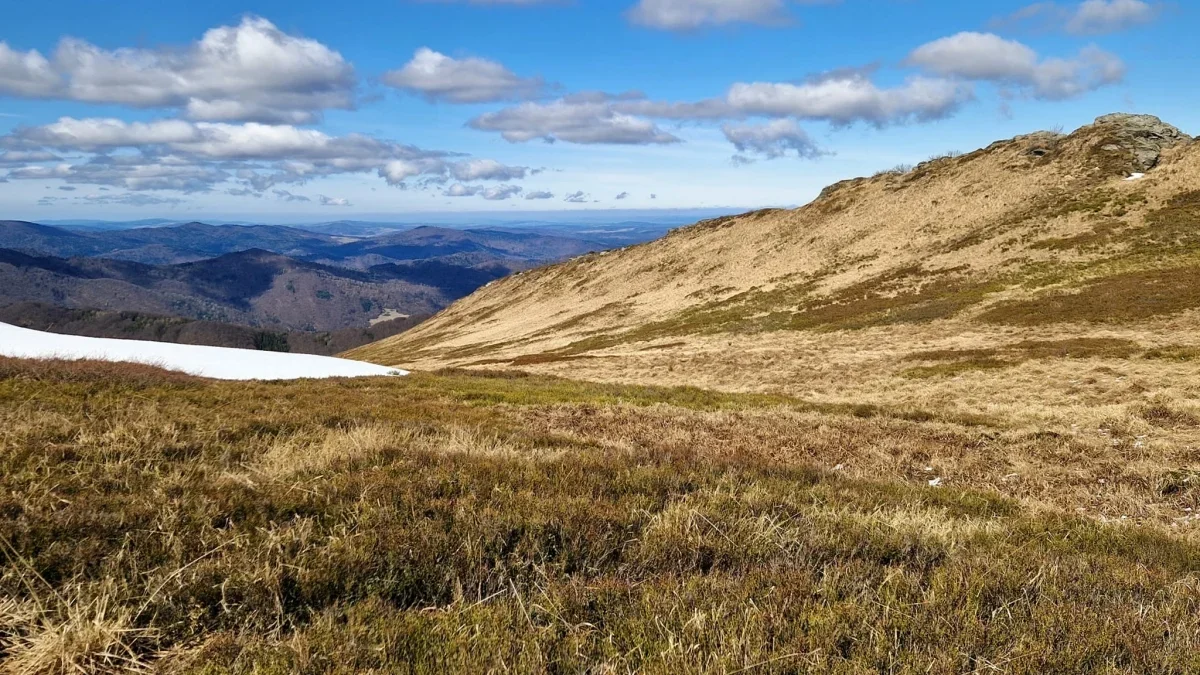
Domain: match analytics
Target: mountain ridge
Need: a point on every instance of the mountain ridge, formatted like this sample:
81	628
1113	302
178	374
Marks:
1028	234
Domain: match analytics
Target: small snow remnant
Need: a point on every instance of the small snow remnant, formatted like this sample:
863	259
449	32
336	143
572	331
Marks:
222	363
935	482
1136	176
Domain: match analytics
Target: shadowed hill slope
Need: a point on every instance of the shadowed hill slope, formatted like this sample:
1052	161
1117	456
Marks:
255	288
952	265
128	325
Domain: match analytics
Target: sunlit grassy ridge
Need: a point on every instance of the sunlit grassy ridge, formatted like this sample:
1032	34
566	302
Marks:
455	522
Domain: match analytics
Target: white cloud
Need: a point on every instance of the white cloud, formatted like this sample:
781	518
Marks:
840	97
850	96
777	138
978	56
486	169
539	194
26	74
693	14
27	157
1095	17
105	133
985	56
333	201
438	77
460	190
582	118
195	156
577	197
623	195
496	193
290	197
501	192
130	172
251	71
1091	17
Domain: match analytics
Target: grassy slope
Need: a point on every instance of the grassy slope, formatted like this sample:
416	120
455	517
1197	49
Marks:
457	522
1035	239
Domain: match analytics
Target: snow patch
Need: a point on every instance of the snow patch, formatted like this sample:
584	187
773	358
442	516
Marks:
222	363
1136	176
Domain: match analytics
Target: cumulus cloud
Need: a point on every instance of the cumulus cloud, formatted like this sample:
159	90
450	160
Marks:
290	197
130	172
985	56
581	118
438	77
1091	17
777	138
1095	17
460	190
840	97
195	156
846	97
486	169
27	74
496	193
501	192
577	198
683	15
623	195
249	72
27	156
539	194
333	201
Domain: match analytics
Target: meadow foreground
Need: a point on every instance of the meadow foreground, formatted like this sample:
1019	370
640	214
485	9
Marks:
494	522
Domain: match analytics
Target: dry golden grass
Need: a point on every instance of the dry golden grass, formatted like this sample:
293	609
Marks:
1039	238
483	523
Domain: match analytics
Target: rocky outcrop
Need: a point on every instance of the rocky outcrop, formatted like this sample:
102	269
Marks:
1145	135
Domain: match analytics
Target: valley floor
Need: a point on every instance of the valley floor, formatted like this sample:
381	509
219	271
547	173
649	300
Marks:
488	522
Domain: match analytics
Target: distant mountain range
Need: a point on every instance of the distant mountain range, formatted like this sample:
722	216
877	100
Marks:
197	241
269	277
253	287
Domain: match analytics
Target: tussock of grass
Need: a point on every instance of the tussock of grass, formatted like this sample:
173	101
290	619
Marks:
1173	353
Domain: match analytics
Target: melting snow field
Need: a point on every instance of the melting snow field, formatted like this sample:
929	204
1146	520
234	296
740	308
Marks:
222	363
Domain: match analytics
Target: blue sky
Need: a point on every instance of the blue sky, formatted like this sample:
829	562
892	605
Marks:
384	108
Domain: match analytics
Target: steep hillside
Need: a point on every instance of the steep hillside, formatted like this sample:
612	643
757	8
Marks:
971	273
